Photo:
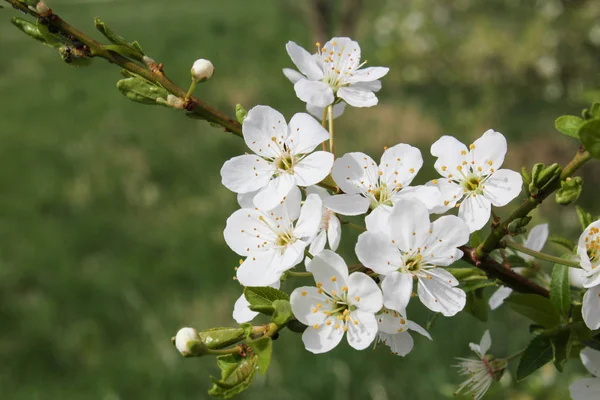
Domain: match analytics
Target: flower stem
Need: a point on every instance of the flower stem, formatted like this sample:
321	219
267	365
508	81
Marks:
190	90
324	125
541	256
300	274
513	356
354	226
331	142
232	350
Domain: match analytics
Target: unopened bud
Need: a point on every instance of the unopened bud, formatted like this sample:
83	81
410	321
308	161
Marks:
570	190
189	344
240	113
202	70
175	102
42	9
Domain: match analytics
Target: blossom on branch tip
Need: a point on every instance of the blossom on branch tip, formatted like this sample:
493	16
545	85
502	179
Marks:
202	70
408	246
282	158
188	341
368	185
334	72
588	388
340	303
588	250
481	372
471	178
272	241
394	332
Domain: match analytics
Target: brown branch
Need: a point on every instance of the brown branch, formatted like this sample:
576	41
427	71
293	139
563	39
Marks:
496	270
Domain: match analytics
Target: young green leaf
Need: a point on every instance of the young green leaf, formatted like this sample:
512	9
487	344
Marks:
282	312
261	298
570	190
237	373
562	241
569	125
585	218
538	353
263	348
560	290
537	308
219	338
561	346
136	50
589	133
141	91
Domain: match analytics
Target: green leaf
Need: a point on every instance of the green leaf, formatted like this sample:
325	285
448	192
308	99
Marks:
560	290
141	91
538	353
282	312
568	125
237	373
34	31
561	346
537	308
219	338
263	348
589	133
477	305
562	241
585	218
261	298
570	190
136	50
475	239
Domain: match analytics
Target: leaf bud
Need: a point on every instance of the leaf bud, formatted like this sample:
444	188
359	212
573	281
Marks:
42	9
189	344
240	113
142	91
518	225
202	70
570	190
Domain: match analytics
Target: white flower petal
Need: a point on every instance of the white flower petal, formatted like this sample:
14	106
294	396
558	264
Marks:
313	168
587	236
577	277
364	293
503	186
318	243
486	342
247	173
292	256
537	237
304	301
305	62
447	233
400	164
355	173
246	200
357	96
314	92
591	308
345	51
378	220
329	270
585	389
245	233
361	335
592	278
450	193
368	74
490	147
376	251
409	222
305	133
428	195
450	153
241	312
347	204
317	112
310	217
591	360
274	193
322	339
399	343
293	75
334	232
322	192
475	211
439	295
373	86
419	329
290	209
260	269
397	290
260	126
498	297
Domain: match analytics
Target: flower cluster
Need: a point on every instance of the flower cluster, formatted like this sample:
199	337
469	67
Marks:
294	198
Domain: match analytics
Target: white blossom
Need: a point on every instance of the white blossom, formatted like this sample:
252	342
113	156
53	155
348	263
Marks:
535	241
340	303
394	332
588	388
282	158
273	241
334	72
482	371
185	340
471	178
588	250
202	70
368	185
408	246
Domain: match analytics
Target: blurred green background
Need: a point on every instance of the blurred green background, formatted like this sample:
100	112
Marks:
111	212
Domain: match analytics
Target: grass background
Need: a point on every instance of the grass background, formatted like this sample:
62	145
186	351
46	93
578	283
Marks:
111	213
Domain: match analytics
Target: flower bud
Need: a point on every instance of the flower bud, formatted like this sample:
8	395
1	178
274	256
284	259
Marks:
42	9
189	344
202	70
